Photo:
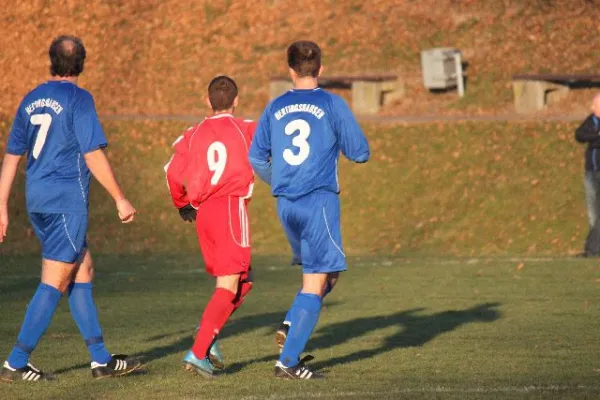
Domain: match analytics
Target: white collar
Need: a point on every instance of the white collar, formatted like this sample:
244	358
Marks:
220	116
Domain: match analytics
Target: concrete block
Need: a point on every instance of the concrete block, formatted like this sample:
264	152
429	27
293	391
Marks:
532	96
367	97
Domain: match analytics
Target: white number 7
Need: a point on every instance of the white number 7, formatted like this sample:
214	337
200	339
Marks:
216	156
43	121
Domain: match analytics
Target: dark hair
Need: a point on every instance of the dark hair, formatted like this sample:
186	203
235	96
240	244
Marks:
67	56
222	91
304	57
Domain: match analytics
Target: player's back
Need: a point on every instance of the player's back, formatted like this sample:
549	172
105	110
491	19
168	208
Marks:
56	124
218	163
308	128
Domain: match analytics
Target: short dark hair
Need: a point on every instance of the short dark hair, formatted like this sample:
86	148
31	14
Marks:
222	91
304	57
67	56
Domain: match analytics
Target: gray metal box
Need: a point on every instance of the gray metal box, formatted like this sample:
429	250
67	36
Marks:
440	67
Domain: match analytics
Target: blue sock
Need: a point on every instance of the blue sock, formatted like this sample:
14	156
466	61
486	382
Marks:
37	320
288	316
304	316
85	315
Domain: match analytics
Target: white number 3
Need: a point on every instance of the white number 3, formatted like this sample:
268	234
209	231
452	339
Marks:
299	141
43	121
216	156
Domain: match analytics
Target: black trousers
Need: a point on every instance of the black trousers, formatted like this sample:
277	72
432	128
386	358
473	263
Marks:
592	199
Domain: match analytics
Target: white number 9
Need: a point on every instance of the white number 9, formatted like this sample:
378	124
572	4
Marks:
216	156
299	141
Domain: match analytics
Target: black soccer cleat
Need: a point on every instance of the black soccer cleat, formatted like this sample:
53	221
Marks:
119	365
28	373
281	335
300	371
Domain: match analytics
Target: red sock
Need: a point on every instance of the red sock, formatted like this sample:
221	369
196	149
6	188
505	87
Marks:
243	290
218	309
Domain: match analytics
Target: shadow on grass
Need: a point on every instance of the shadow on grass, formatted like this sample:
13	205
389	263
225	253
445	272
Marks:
416	330
184	341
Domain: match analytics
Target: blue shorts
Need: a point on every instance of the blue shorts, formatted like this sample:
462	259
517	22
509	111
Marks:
62	236
312	226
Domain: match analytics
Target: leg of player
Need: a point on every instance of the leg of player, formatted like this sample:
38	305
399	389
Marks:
283	330
304	315
85	315
56	276
244	287
216	313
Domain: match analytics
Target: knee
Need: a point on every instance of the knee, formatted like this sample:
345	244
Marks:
229	282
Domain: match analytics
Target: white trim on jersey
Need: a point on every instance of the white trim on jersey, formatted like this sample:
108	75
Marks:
250	191
193	134
337	178
79	176
220	116
241	134
179	139
166	168
331	237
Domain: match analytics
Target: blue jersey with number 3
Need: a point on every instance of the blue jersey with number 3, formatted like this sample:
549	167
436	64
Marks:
302	133
56	124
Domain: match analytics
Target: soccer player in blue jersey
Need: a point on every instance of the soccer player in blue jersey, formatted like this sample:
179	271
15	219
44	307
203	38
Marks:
296	149
56	125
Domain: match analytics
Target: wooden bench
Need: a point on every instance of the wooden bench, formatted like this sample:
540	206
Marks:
534	92
369	92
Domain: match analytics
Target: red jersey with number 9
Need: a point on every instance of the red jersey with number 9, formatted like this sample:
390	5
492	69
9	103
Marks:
211	161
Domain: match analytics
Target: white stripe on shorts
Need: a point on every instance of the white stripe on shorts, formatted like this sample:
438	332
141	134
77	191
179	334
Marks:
331	237
67	232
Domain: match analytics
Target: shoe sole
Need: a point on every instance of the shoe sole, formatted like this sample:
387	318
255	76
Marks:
122	373
287	377
198	371
5	379
216	362
280	337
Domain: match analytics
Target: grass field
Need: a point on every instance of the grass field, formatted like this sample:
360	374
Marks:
461	284
394	328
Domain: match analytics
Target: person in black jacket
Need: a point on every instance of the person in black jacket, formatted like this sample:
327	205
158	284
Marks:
589	132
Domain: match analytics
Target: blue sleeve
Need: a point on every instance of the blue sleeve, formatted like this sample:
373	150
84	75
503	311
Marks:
353	142
17	139
260	149
87	127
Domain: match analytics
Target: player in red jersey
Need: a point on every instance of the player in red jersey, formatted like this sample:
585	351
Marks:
210	180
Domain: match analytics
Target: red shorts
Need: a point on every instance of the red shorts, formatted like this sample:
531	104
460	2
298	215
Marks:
224	236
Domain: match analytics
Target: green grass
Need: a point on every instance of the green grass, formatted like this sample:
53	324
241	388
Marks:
394	328
466	189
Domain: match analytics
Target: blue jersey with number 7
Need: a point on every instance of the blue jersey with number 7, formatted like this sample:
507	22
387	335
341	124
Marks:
298	139
56	124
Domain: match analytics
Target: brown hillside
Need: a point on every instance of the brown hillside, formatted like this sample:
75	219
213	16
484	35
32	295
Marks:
156	57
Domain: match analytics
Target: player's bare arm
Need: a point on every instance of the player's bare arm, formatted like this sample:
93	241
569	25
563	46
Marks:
9	171
100	167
